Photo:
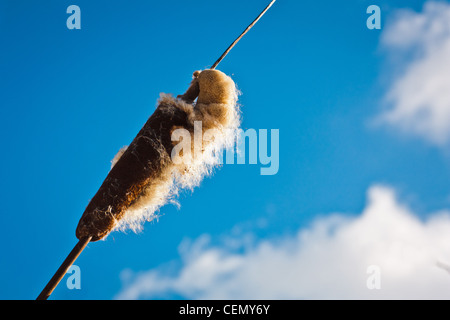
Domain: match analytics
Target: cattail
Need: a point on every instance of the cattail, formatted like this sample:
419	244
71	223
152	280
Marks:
152	169
145	176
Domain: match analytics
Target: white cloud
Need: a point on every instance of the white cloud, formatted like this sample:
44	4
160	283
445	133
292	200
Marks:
419	97
328	260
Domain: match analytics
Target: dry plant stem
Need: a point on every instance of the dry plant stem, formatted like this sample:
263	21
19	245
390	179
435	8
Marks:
73	255
242	34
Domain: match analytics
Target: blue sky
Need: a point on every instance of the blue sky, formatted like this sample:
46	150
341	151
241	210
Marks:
337	91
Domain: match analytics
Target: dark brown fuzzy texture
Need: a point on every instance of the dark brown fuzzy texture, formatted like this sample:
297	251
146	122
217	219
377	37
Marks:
143	175
147	158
